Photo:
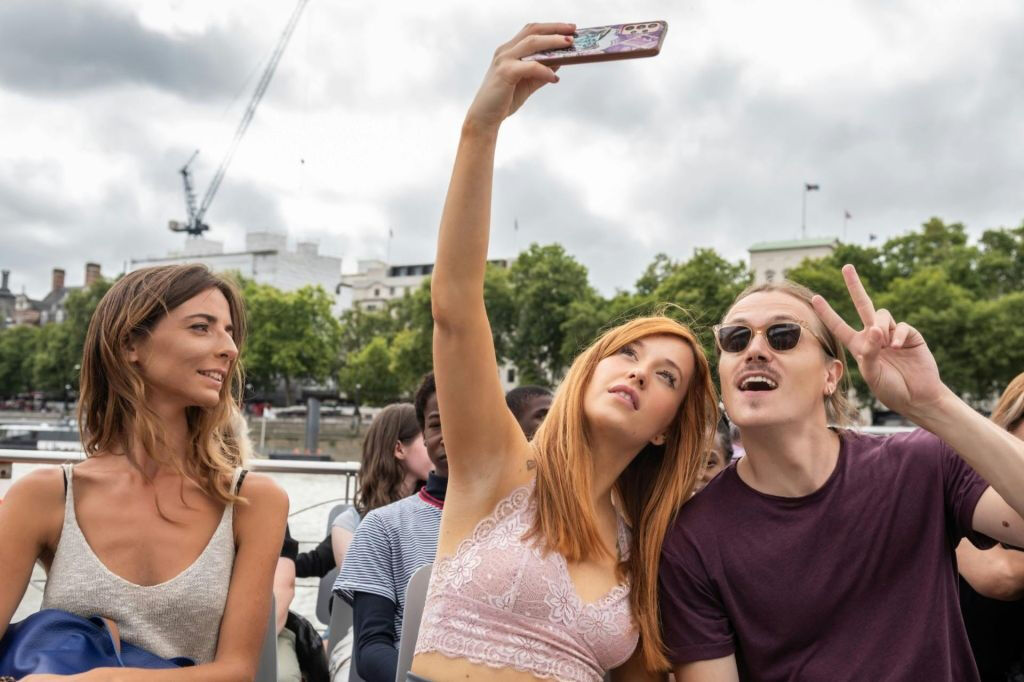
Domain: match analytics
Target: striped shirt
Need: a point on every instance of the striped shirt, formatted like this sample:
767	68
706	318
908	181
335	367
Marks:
389	545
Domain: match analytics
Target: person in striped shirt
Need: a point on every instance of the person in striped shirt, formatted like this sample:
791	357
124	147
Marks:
389	545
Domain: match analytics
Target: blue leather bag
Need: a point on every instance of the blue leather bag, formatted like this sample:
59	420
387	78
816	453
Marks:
61	643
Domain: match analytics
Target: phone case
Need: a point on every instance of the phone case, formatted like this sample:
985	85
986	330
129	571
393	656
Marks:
604	43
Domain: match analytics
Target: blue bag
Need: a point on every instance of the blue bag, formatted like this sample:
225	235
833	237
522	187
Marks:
61	643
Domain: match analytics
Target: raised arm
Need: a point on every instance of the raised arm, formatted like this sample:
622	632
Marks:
896	363
478	428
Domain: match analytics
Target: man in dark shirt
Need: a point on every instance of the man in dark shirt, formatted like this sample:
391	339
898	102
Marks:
824	554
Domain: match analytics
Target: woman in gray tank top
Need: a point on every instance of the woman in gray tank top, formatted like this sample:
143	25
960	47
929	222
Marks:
159	530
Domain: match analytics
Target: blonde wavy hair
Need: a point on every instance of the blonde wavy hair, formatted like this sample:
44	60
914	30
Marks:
113	415
1009	411
649	492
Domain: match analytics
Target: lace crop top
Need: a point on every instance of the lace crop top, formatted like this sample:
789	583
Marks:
502	602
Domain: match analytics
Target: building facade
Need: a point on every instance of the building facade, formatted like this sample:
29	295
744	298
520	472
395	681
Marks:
376	282
771	261
265	259
22	309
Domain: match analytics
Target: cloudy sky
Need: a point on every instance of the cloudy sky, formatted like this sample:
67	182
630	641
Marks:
899	110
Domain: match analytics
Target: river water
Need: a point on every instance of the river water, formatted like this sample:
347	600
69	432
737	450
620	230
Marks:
311	495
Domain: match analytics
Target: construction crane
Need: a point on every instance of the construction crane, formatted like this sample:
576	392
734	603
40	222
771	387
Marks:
195	225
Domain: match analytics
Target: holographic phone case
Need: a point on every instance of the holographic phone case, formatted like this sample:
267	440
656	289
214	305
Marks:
603	43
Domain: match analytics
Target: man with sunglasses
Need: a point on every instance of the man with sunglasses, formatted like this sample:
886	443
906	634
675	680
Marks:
825	554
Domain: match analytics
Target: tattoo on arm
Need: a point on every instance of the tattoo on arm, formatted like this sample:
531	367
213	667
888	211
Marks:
531	464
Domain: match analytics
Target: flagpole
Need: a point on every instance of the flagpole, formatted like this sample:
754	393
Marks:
391	234
808	187
803	215
846	219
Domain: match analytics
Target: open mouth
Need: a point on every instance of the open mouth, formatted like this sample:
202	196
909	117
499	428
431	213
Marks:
626	395
214	374
758	382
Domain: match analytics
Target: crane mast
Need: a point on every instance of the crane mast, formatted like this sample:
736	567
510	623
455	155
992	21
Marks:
195	225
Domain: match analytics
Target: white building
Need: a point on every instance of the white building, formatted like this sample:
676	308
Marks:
376	282
771	261
266	259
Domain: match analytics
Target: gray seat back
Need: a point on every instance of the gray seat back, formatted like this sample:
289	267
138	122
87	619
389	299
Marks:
415	599
267	670
323	596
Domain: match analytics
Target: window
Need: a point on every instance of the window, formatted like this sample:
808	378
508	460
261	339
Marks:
511	376
392	291
370	306
376	293
769	275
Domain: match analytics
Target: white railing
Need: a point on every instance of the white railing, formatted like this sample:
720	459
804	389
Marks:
350	470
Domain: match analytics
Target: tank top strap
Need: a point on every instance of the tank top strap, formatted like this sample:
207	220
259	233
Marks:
236	479
69	493
623	535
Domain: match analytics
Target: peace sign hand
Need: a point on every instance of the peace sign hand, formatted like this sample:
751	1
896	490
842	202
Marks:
893	358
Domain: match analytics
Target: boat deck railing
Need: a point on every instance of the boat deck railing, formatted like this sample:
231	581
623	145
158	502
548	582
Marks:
349	470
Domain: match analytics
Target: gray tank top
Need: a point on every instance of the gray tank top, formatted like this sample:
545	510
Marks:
180	617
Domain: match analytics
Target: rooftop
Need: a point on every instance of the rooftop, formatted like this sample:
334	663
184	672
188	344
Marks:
794	244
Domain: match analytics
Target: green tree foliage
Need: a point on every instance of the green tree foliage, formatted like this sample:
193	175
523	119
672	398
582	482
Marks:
17	348
293	337
367	377
698	291
546	281
52	361
962	297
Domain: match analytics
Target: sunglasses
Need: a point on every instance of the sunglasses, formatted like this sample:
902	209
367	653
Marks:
781	336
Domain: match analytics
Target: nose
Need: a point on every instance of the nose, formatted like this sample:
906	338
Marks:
228	350
638	374
758	349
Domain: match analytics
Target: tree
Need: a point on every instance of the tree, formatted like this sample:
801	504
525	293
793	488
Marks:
592	316
367	377
79	307
293	336
996	342
936	244
941	310
1000	267
53	363
546	281
704	286
17	348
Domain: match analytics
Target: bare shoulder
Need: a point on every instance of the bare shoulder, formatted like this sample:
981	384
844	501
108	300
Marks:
36	502
266	499
41	489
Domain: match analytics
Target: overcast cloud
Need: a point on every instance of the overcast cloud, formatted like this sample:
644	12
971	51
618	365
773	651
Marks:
898	110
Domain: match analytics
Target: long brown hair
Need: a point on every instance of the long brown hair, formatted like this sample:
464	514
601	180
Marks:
381	474
113	415
653	487
838	409
1009	411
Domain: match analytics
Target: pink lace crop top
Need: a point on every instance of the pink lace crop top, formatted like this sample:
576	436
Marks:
502	602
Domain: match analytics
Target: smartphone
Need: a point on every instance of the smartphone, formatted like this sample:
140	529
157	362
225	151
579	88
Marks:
604	43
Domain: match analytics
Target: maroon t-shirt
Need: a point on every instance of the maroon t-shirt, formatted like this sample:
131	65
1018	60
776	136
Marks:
856	581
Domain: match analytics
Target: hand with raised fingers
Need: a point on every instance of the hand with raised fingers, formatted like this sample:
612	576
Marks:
893	357
509	80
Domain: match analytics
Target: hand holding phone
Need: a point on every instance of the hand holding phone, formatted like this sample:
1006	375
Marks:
605	43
